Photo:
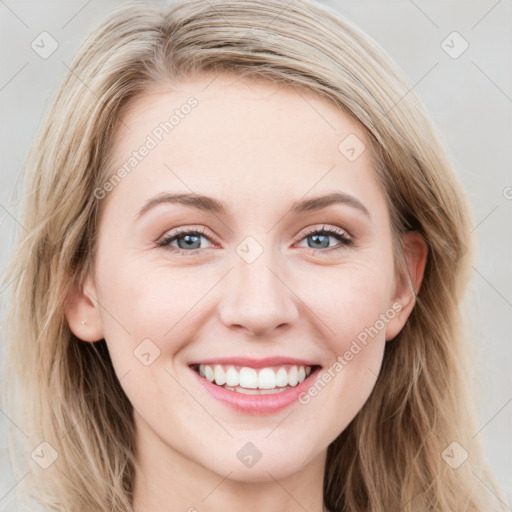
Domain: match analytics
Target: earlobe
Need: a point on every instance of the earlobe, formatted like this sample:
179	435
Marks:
409	283
82	312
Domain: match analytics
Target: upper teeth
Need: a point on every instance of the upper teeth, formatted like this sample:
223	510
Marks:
250	378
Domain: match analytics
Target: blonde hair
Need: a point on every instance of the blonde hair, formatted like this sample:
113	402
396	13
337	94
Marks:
66	392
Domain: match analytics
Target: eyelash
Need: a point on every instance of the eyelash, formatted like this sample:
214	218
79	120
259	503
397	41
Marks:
343	238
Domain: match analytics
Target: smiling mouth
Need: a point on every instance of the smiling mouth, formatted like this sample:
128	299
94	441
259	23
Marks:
255	381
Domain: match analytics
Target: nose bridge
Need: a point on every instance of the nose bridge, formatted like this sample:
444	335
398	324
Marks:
257	299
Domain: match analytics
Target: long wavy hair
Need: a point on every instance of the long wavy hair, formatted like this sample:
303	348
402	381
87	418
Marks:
395	454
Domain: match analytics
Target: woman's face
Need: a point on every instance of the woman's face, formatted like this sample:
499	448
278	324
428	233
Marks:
250	275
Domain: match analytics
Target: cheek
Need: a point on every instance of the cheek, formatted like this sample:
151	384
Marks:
151	316
359	307
346	300
352	313
150	302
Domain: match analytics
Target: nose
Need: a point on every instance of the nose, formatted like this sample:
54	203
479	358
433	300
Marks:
258	300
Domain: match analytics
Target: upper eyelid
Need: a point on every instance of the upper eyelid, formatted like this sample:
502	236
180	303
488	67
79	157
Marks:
326	227
184	231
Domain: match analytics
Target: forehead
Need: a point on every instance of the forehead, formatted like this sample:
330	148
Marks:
242	137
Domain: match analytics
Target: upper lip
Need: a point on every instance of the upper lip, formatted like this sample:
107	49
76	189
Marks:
255	363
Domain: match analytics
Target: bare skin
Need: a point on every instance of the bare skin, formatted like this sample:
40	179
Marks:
258	147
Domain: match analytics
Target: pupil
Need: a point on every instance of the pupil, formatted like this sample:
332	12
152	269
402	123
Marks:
188	240
317	236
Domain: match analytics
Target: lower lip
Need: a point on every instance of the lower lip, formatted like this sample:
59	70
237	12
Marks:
257	404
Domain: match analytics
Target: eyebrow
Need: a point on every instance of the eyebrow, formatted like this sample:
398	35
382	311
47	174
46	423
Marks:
210	204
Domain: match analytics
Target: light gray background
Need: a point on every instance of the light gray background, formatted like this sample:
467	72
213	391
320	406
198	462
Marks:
470	99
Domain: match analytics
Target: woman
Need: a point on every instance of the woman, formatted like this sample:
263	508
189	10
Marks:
156	375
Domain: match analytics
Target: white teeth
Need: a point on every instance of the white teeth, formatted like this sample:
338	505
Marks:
266	379
220	376
232	377
293	376
208	373
252	379
248	378
281	378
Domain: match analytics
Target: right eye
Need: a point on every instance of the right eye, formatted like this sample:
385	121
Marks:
187	241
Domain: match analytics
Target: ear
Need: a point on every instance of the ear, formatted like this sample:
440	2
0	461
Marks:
408	284
81	306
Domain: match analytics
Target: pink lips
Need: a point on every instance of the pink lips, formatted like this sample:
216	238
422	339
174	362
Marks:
257	404
255	363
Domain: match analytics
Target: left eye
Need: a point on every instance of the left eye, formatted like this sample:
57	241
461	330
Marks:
319	236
